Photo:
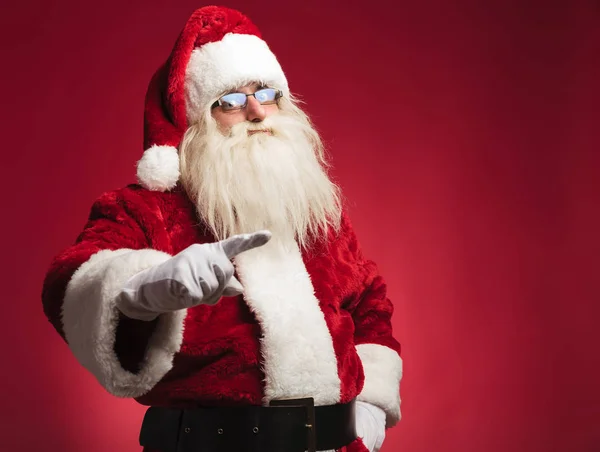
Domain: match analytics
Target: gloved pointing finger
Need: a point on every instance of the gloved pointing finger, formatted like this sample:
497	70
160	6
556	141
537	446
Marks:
237	244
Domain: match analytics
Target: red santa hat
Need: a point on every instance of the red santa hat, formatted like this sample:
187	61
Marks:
219	49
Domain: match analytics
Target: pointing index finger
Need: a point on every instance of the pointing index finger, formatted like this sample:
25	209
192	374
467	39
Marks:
237	244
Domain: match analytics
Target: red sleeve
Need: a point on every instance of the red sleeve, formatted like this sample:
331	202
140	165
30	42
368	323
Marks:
376	346
127	356
109	227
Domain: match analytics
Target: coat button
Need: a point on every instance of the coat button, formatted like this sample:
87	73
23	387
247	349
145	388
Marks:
187	430
220	431
255	429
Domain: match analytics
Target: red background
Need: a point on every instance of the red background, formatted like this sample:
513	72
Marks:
465	137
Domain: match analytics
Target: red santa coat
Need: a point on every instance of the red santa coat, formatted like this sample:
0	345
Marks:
310	324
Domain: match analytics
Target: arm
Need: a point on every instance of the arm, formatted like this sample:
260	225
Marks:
378	350
128	357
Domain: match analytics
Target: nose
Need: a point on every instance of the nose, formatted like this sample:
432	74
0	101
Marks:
255	112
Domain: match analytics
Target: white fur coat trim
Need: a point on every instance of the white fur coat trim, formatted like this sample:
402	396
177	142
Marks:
90	319
298	355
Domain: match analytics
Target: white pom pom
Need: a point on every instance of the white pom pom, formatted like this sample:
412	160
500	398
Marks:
158	169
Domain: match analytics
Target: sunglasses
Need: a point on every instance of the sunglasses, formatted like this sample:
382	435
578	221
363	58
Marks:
237	101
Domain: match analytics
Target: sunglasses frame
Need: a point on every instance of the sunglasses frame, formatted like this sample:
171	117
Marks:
219	101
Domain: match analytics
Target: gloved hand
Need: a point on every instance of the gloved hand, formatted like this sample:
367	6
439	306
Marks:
200	274
370	425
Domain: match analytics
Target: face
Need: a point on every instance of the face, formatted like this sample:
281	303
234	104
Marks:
252	112
243	182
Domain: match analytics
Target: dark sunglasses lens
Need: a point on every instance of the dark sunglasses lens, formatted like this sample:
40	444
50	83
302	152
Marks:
233	101
266	95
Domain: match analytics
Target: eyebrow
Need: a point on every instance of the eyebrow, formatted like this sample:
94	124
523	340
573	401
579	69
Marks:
237	89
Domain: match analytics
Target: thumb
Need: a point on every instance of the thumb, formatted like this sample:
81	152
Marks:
233	288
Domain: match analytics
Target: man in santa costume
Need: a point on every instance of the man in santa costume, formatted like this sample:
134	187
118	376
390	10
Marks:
227	291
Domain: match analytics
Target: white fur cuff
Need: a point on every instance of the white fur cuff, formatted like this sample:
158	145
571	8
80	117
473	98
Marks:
90	319
383	372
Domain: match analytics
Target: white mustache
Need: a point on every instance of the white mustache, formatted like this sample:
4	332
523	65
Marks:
248	180
252	131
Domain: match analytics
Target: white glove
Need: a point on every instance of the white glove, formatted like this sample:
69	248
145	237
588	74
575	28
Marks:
200	274
370	425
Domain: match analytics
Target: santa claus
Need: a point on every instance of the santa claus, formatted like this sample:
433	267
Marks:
227	290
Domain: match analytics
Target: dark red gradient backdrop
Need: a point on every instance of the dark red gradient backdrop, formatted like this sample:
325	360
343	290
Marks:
465	136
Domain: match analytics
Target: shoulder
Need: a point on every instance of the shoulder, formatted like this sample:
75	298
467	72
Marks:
337	260
135	192
338	244
342	237
135	200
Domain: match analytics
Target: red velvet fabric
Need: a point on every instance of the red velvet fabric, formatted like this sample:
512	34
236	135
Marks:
219	360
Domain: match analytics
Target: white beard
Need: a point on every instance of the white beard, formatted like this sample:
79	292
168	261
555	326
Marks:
243	183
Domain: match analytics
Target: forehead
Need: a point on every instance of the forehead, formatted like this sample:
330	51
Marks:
246	88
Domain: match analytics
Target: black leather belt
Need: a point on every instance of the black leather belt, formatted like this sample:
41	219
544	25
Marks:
283	426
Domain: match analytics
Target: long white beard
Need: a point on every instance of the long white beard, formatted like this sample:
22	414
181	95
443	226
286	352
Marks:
243	183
